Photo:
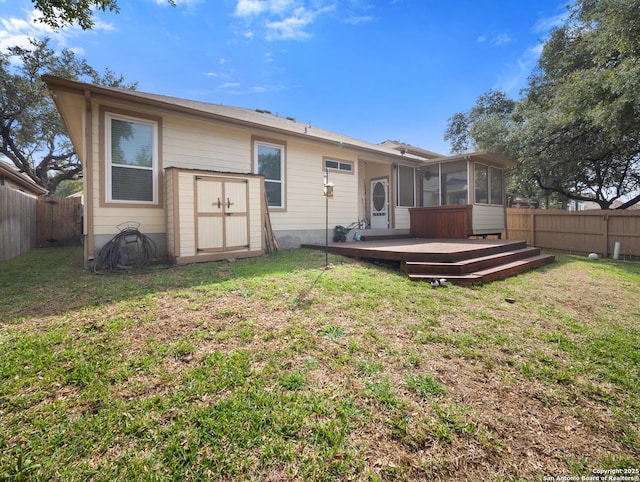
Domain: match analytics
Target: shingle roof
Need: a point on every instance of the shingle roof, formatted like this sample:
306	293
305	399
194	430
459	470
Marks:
11	172
257	117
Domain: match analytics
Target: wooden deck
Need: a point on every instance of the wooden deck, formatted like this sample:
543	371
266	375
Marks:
460	261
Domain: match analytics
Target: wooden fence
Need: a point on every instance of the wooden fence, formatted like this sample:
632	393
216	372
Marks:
27	222
59	221
577	231
17	222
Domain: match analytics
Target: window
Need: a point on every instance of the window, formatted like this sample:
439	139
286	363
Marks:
431	185
445	184
132	159
406	186
269	162
495	186
488	184
482	184
342	166
453	188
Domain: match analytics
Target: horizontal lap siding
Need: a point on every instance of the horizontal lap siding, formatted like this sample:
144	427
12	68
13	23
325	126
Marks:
305	202
193	144
488	219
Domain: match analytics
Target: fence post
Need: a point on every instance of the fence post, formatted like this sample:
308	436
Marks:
606	235
533	227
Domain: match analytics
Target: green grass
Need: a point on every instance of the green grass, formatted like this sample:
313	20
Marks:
274	368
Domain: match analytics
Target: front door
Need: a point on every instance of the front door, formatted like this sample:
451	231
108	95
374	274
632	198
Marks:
379	204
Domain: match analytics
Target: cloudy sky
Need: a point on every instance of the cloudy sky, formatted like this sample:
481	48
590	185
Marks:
370	69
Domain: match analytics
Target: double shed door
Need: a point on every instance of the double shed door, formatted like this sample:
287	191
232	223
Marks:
222	217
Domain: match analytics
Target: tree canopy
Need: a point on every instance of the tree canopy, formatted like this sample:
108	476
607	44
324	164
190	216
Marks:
32	135
61	13
576	129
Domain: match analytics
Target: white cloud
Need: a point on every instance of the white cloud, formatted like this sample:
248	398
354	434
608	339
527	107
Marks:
357	20
16	31
248	8
545	25
280	19
292	27
515	76
496	40
19	31
501	39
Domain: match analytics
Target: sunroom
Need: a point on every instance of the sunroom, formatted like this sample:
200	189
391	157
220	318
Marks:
460	196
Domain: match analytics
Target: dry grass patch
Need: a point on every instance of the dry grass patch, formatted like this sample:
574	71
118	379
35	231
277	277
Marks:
275	369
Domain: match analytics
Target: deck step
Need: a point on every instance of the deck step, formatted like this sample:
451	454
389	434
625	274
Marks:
468	265
497	272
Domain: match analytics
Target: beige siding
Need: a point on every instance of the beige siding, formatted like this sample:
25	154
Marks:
488	219
194	144
171	219
402	218
186	214
305	203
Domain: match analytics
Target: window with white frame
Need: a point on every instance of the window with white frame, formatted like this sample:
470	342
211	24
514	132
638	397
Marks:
406	186
488	185
340	166
269	162
131	159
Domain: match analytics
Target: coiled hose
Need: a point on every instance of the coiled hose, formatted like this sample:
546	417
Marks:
128	248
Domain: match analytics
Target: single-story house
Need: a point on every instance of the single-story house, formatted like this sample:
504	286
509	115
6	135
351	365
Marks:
14	179
203	179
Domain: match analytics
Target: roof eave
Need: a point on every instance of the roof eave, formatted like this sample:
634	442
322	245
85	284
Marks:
486	156
95	91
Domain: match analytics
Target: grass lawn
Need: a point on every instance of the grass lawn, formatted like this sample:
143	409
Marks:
275	369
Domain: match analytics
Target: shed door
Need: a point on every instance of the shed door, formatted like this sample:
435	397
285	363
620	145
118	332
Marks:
236	214
221	214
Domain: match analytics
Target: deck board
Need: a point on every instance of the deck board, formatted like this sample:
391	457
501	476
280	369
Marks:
419	249
462	261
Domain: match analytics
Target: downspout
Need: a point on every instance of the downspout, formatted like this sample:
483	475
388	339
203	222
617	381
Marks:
88	180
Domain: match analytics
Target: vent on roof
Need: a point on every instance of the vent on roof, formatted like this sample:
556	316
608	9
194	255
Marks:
292	119
263	111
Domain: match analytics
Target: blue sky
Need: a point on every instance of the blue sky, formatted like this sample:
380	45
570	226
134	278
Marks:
374	70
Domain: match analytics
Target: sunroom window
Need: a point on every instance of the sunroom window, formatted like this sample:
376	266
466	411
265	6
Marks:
488	185
445	184
132	159
406	186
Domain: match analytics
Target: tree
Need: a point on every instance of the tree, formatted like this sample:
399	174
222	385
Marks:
576	130
61	13
486	126
32	135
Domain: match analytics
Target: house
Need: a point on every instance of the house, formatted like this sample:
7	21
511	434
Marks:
14	179
202	178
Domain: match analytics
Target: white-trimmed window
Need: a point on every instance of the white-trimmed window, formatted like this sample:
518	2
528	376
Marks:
340	166
131	159
269	162
406	179
488	185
